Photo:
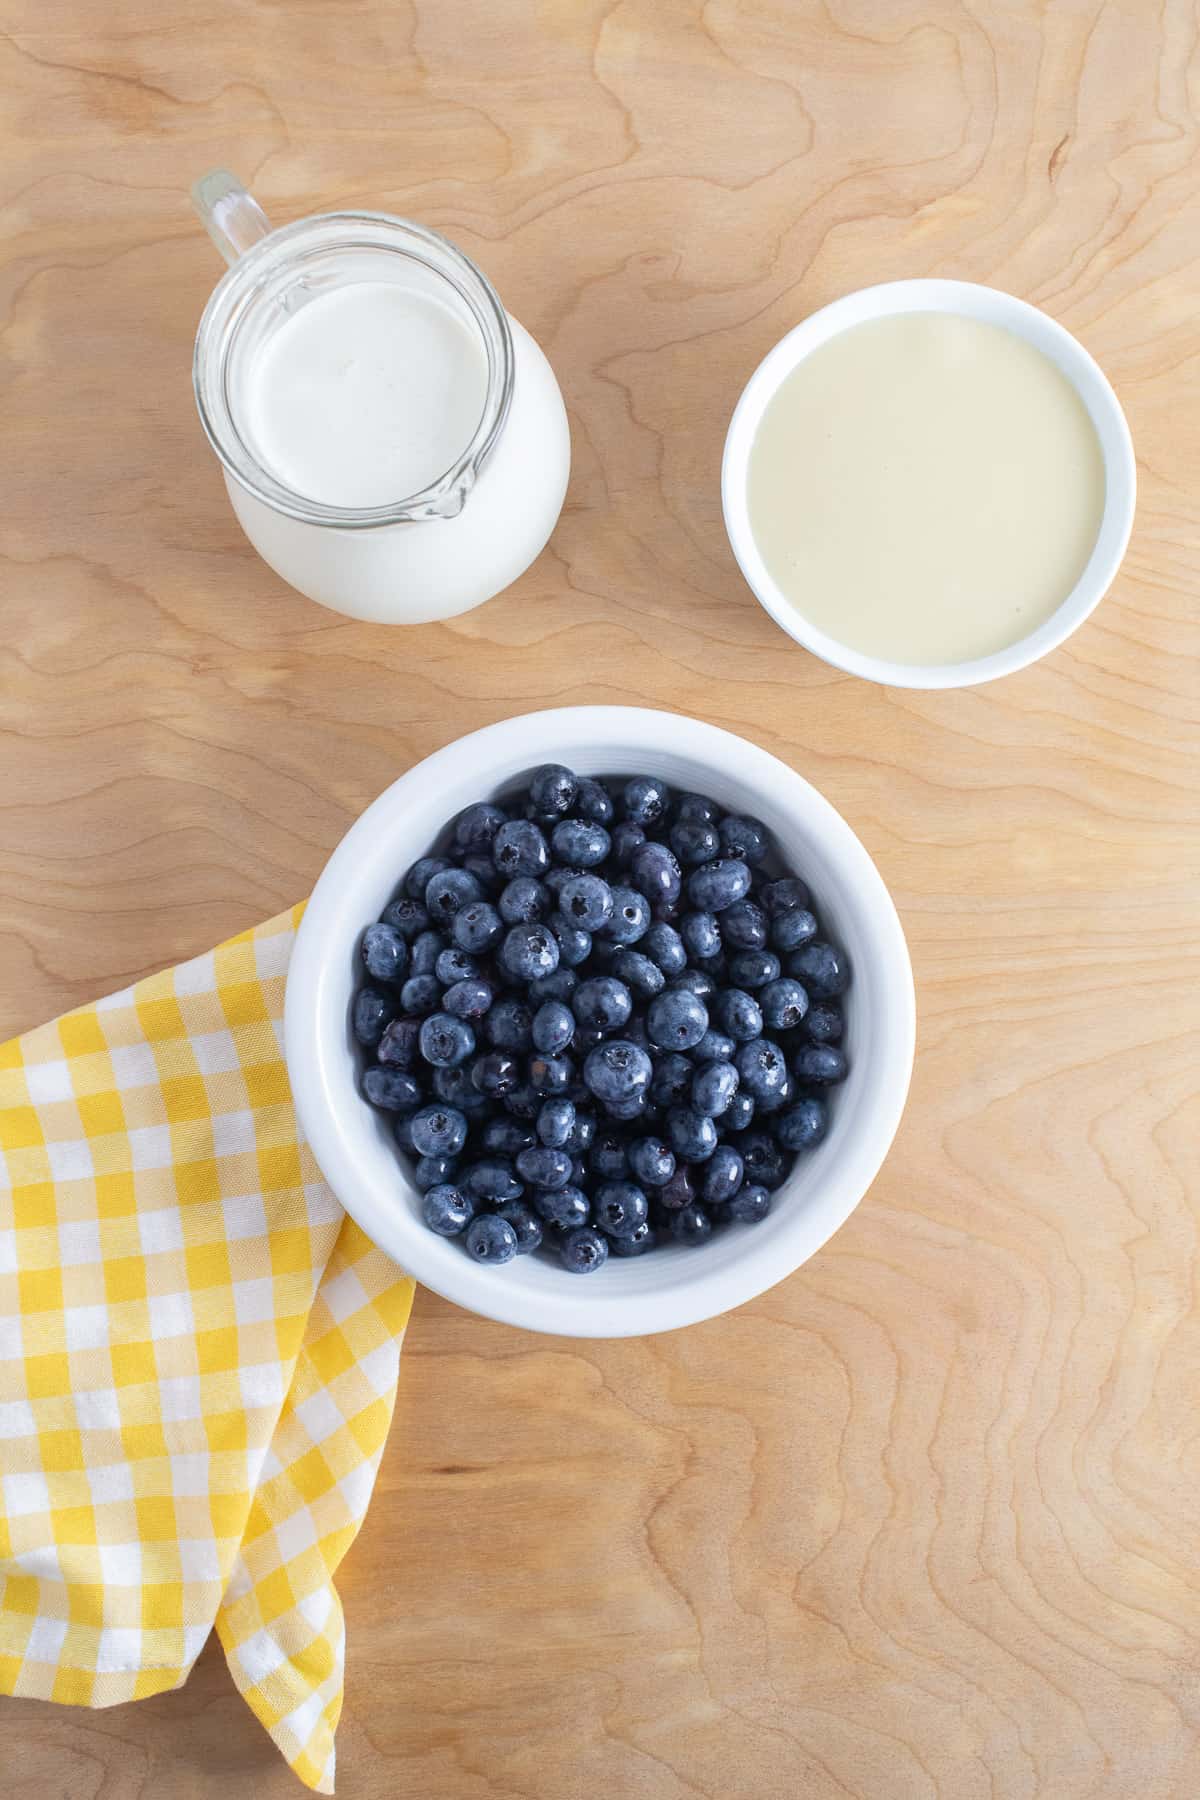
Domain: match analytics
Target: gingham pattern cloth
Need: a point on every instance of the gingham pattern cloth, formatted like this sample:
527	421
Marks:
198	1355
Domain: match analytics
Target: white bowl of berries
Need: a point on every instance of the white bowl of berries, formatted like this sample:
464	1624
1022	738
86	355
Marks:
600	1021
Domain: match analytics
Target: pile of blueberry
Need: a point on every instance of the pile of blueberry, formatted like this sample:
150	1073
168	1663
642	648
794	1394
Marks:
603	1017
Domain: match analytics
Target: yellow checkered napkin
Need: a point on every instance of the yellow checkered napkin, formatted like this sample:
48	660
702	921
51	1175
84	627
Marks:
198	1355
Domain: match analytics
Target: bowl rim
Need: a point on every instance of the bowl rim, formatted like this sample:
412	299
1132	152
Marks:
994	306
314	1061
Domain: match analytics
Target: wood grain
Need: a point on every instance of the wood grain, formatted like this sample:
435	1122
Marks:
920	1524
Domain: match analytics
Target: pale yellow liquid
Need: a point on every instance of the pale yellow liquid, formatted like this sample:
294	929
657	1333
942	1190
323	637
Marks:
925	488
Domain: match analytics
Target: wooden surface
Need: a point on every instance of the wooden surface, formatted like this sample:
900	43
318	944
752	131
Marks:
922	1523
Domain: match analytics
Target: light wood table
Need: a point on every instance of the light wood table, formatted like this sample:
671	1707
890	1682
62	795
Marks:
922	1522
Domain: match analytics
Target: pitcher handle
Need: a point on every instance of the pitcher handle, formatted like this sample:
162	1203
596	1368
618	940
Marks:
232	217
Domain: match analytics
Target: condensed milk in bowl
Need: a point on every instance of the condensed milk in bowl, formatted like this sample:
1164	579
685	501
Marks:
929	483
395	445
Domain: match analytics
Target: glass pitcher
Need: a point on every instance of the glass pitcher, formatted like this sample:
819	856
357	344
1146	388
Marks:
476	522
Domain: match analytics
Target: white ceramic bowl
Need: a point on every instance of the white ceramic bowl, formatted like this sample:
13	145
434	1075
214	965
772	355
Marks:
670	1286
995	308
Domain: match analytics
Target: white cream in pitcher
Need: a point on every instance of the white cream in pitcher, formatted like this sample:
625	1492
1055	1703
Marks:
926	488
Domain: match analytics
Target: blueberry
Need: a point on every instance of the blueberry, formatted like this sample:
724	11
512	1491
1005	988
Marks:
555	1122
553	1027
373	1012
655	873
630	916
664	946
650	1161
698	807
593	802
584	1250
559	986
700	933
524	1102
694	842
586	902
425	951
638	973
714	886
448	892
527	1227
738	1014
753	969
492	1179
475	828
802	1126
679	1191
722	1176
392	1089
454	965
762	1159
495	1072
504	1137
407	916
421	874
692	1135
739	1113
555	879
672	1082
552	788
486	874
626	837
433	1171
645	800
713	1087
823	970
784	896
744	926
447	1210
617	1071
784	1003
792	930
528	951
620	1207
583	1133
750	1205
743	838
507	1025
602	1004
454	1087
762	1068
676	1020
491	1239
608	1156
420	994
691	1226
820	1064
580	843
639	1240
438	1131
399	1046
695	981
523	900
574	943
468	999
714	1046
824	1025
446	1041
550	1075
476	927
519	848
566	1207
402	1132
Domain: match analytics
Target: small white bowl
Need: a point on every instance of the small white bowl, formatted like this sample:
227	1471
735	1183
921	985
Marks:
673	1285
995	308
